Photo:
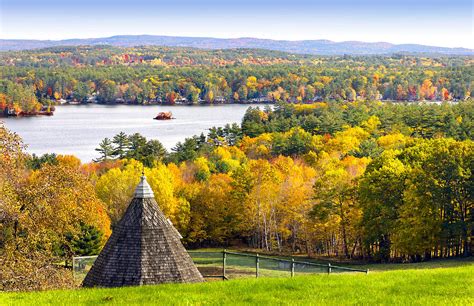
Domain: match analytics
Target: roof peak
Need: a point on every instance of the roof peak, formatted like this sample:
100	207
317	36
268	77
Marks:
143	189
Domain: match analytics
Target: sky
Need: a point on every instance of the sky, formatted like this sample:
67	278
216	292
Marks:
430	22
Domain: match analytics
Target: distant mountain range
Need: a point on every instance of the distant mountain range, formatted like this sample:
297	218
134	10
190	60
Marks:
320	47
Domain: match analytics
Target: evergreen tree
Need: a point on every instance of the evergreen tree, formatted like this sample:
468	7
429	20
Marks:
105	149
137	145
35	162
153	151
88	242
122	144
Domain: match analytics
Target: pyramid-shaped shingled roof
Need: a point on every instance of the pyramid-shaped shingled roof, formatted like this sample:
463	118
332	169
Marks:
144	249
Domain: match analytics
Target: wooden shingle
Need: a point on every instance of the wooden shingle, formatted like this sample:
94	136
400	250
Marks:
144	249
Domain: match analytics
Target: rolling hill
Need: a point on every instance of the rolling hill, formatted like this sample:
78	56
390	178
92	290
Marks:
320	47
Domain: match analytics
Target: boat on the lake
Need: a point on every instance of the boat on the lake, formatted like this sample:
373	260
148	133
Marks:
164	116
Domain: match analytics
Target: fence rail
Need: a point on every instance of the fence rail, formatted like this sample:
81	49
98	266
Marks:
292	262
226	265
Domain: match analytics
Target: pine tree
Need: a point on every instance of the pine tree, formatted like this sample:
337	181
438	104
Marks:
122	145
105	149
88	242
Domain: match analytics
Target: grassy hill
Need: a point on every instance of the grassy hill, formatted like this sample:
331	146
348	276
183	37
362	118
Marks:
438	283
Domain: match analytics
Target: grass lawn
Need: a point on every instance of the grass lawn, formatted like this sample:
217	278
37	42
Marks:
445	282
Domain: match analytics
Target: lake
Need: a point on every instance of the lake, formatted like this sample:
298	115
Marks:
78	129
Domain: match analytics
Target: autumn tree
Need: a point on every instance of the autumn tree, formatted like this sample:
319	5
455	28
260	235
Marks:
40	212
381	194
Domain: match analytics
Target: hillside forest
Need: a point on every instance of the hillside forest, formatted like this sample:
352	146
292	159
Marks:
371	181
36	79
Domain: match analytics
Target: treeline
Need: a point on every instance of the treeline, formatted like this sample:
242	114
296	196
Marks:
135	147
155	75
380	182
80	56
18	97
354	182
425	121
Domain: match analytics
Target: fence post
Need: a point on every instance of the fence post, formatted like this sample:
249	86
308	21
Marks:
256	265
367	272
292	267
224	253
329	268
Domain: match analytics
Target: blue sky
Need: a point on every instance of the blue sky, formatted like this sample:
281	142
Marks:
434	22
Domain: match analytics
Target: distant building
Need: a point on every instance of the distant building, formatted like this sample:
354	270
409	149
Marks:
219	99
260	100
10	111
92	99
181	100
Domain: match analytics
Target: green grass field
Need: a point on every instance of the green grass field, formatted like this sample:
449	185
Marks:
448	282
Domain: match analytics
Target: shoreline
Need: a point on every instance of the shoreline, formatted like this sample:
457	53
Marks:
28	115
257	104
169	104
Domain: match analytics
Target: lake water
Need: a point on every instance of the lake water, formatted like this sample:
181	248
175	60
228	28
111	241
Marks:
78	129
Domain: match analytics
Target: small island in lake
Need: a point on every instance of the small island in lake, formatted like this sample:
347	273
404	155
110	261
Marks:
164	116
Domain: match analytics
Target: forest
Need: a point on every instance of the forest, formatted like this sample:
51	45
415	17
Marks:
35	79
371	181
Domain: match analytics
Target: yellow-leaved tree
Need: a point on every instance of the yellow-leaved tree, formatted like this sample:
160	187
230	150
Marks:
116	188
336	212
295	204
42	214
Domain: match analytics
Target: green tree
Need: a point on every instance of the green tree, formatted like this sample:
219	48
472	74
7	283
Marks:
441	196
137	145
153	152
36	162
147	152
81	92
122	144
107	92
88	241
381	194
105	149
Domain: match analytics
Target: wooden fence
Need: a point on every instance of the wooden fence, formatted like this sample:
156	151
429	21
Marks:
231	264
290	263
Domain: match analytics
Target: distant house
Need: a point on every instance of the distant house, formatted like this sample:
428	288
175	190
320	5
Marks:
262	99
91	99
181	100
10	111
219	99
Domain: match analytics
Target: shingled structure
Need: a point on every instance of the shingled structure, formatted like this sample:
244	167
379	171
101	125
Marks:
144	249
